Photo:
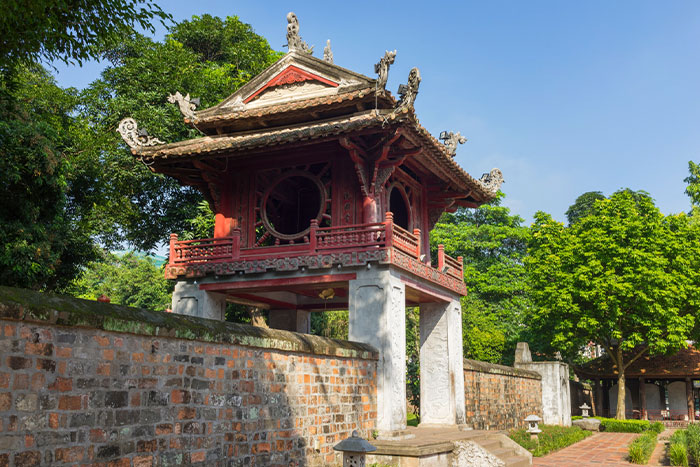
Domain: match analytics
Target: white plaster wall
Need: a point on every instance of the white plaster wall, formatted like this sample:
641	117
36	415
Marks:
612	393
556	395
677	401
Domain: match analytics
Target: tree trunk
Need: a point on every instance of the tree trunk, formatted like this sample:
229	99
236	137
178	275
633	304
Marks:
620	415
256	317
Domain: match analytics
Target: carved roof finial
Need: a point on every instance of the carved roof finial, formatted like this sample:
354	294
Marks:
382	68
134	137
451	140
327	52
492	181
294	41
185	104
408	92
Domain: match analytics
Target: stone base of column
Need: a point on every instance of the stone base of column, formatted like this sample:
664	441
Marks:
188	299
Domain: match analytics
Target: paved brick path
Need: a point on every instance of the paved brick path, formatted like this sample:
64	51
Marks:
599	450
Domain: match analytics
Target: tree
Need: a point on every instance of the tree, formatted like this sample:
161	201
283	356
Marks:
206	57
44	235
71	31
131	279
493	243
583	206
693	188
625	277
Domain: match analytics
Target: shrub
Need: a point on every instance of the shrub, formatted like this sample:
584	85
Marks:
657	427
677	454
624	426
692	437
552	438
641	448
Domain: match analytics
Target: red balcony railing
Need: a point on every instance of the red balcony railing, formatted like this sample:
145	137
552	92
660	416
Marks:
357	237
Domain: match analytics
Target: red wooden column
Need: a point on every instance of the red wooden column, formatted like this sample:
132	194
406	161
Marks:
643	399
689	398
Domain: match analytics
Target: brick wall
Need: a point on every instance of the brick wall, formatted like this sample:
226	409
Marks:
97	384
499	397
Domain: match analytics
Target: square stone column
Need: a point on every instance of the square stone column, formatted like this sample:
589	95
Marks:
291	320
441	364
377	304
188	299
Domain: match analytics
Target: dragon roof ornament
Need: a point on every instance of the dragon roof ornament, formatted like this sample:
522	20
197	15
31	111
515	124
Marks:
327	52
185	104
382	68
134	137
492	181
408	92
451	140
294	41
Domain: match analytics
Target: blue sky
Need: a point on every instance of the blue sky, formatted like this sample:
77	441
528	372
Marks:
564	97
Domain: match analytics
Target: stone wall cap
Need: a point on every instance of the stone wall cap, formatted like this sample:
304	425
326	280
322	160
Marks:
493	368
44	308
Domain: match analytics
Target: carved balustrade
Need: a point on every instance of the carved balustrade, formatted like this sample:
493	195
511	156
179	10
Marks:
449	265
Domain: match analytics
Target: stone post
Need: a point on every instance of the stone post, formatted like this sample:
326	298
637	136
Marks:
377	305
441	364
188	299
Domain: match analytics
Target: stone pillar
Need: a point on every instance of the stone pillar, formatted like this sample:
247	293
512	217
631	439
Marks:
606	399
643	399
290	320
441	364
689	398
377	305
598	398
188	299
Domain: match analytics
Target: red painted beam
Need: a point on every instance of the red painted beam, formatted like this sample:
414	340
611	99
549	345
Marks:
265	283
276	304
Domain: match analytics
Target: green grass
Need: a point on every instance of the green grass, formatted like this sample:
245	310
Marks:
412	419
640	449
678	454
552	438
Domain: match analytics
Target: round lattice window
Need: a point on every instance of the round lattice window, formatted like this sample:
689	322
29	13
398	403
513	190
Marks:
290	204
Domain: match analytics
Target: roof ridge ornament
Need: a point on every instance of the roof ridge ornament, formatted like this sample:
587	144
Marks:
185	104
408	92
294	41
327	52
134	137
451	140
382	68
492	181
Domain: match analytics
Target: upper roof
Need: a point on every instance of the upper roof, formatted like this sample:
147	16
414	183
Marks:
684	363
301	98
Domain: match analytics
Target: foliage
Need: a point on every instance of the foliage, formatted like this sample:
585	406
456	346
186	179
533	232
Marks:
552	438
139	207
70	31
201	225
333	324
412	419
413	358
131	279
625	277
493	244
44	237
678	454
693	189
657	427
623	426
642	447
692	438
583	206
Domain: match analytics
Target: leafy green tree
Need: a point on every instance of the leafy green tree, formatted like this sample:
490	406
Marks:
493	243
206	57
693	188
44	235
625	277
71	31
131	279
583	206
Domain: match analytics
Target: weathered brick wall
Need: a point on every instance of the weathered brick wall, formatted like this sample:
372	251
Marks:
97	384
499	397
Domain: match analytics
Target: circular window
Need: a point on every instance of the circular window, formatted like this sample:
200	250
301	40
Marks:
291	203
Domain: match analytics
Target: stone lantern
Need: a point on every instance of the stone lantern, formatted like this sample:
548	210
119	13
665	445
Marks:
532	426
354	450
584	410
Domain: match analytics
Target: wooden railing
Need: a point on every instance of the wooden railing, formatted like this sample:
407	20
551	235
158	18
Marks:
449	265
320	239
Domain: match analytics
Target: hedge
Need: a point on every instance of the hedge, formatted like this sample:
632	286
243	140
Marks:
552	438
640	449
